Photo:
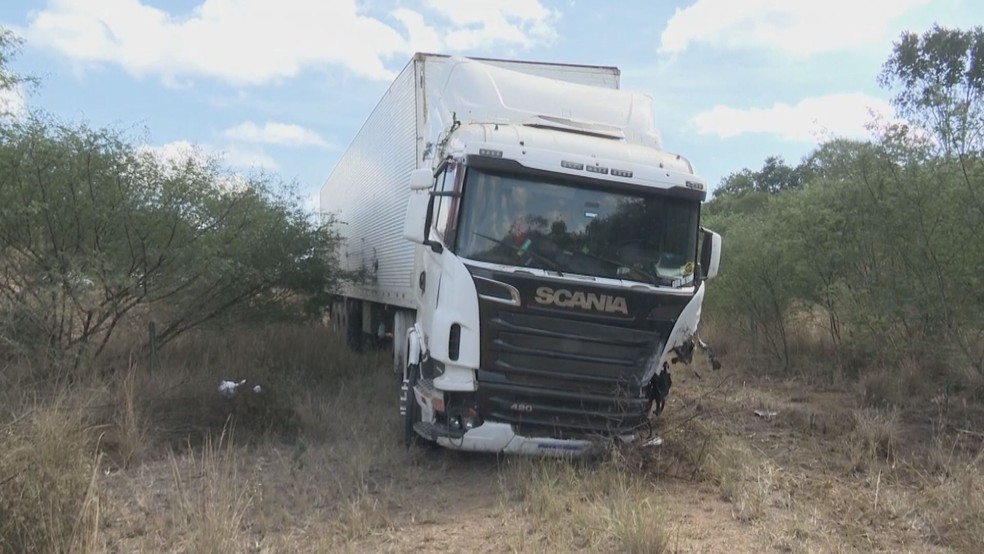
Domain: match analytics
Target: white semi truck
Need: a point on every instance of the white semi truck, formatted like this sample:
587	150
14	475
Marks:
534	253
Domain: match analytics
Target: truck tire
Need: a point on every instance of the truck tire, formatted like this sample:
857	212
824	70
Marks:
353	325
337	317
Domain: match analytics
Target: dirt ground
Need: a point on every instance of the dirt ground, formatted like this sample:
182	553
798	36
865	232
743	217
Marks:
785	479
747	465
483	515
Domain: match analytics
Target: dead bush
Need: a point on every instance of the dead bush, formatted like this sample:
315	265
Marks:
954	505
875	438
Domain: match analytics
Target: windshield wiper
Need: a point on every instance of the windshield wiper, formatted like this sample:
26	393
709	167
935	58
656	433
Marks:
652	278
534	255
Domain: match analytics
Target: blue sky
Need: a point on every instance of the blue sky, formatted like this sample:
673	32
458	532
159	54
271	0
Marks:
285	85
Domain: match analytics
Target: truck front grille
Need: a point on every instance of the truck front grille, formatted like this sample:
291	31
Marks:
562	376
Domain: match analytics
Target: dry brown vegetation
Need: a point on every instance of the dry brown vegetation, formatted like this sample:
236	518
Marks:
128	460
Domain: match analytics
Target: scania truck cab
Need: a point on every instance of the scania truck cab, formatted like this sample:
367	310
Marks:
559	266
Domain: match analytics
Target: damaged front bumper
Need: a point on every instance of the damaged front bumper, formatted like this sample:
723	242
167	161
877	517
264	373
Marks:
500	438
497	437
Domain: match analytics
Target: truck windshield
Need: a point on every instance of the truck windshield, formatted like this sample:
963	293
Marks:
549	224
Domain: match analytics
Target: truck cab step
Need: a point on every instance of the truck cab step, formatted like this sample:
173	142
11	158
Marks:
432	432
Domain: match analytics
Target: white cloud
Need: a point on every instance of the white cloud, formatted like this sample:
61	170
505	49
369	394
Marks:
258	41
799	27
12	102
248	158
810	120
272	132
182	151
176	153
476	24
425	37
312	202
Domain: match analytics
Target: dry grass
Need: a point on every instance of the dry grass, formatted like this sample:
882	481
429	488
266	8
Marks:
825	475
48	490
875	439
130	422
211	500
954	504
303	453
894	386
593	506
743	478
130	460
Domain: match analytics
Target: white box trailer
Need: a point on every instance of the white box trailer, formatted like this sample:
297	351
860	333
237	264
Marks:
368	189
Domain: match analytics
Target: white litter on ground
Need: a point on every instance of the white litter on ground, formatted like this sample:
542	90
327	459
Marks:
228	388
655	441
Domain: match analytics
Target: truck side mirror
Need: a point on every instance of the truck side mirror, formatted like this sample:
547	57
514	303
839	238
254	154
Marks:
421	179
415	223
710	253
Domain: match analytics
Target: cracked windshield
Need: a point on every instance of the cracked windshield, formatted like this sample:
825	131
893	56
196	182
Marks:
547	224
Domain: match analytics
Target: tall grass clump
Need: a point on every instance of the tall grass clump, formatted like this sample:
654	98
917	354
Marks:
598	505
212	499
48	491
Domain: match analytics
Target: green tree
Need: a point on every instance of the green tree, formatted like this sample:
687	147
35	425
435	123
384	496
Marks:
884	238
759	286
93	230
938	79
747	191
96	234
775	176
8	47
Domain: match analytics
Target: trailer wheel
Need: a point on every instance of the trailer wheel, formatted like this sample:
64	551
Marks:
337	316
353	325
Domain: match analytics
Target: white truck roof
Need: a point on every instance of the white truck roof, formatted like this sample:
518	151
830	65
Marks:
478	92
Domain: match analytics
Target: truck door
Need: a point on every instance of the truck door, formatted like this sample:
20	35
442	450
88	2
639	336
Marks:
447	188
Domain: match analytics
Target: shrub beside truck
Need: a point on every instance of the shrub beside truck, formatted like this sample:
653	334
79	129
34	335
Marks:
533	252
